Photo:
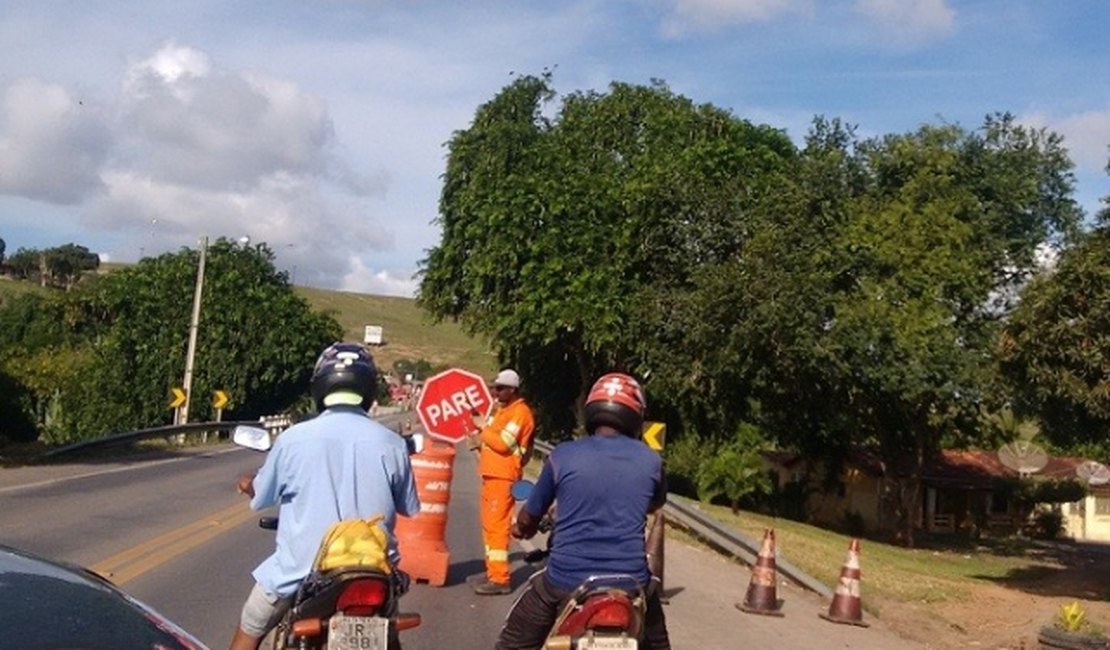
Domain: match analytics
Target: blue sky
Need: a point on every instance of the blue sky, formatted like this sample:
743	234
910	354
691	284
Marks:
318	126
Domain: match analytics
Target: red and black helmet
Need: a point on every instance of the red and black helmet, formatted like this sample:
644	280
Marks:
616	400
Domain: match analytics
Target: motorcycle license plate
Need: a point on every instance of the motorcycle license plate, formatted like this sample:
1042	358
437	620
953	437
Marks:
358	632
607	643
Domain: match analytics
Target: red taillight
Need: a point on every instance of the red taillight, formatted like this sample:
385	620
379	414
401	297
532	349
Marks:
362	597
612	615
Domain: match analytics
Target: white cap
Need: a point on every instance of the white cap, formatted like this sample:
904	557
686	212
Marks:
507	377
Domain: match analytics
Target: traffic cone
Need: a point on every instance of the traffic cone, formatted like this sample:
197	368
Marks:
845	607
421	539
655	550
761	598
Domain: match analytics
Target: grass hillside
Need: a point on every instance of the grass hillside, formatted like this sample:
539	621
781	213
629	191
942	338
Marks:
407	333
10	287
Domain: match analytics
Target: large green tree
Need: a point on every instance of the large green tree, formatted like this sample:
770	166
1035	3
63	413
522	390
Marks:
843	295
556	231
65	264
1055	350
25	262
117	345
866	316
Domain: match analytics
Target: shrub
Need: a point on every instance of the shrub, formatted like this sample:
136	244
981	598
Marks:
1047	524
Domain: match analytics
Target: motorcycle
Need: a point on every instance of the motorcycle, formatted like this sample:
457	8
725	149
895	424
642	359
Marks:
340	607
605	612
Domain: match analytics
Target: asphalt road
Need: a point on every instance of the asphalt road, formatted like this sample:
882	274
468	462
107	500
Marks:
173	532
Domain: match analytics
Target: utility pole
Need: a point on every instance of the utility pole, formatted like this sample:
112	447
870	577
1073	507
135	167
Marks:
194	325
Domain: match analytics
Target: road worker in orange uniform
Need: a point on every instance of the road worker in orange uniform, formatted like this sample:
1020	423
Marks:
504	444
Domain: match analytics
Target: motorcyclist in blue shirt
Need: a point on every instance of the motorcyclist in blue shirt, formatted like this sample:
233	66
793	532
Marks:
338	465
605	484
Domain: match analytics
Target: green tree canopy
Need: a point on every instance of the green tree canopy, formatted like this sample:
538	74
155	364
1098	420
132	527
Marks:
867	315
555	231
1055	350
65	264
846	294
117	345
24	263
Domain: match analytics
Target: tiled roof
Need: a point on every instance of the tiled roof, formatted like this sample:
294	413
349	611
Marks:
969	468
976	467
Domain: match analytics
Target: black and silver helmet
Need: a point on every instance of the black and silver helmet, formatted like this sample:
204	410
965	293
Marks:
344	374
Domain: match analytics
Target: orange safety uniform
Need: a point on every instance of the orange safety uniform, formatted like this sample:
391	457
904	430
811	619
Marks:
506	443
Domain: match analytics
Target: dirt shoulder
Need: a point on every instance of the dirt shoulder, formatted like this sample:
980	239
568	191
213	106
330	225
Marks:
1009	612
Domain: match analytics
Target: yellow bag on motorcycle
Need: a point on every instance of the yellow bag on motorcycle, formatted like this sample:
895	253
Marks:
355	542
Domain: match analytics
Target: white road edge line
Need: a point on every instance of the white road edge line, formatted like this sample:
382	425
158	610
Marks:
63	479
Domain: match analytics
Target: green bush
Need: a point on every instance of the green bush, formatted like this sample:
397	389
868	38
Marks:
681	460
734	470
1047	524
852	523
789	500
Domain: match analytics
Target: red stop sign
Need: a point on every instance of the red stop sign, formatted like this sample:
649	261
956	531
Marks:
447	403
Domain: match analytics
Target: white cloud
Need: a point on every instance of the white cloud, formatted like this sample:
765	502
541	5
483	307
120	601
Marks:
185	123
909	21
689	16
189	150
1087	137
364	279
51	145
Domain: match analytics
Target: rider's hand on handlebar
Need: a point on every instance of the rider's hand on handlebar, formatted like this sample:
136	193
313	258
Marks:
245	485
517	532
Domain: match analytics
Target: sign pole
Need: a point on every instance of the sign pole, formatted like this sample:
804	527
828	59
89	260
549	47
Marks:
194	325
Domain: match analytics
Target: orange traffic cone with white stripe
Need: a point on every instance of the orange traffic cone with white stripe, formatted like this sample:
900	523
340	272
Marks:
762	595
846	607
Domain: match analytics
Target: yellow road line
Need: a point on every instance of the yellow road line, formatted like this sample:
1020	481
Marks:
137	560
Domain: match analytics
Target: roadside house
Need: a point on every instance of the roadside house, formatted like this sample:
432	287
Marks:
963	492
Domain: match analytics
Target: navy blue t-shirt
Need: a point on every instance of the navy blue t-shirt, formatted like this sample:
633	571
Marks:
604	486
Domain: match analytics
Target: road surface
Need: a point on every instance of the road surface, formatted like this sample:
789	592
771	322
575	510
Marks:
173	532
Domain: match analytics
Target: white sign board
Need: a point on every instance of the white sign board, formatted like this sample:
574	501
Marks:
373	335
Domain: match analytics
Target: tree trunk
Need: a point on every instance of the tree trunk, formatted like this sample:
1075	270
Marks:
905	473
909	494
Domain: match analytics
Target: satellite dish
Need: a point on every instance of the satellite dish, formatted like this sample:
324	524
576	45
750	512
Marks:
1095	473
1023	457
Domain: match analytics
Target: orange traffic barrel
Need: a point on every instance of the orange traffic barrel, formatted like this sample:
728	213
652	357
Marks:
422	540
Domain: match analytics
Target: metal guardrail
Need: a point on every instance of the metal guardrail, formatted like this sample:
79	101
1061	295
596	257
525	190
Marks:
265	422
145	434
687	515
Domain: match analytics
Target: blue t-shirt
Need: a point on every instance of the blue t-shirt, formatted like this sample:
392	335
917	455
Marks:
339	465
604	486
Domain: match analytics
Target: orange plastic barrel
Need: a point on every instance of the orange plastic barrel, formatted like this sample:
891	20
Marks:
422	539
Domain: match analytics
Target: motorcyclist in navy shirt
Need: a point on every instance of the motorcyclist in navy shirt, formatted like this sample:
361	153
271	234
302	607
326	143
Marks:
606	484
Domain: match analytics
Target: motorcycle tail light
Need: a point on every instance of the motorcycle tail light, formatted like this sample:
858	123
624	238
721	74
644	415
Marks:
308	627
362	597
407	621
613	615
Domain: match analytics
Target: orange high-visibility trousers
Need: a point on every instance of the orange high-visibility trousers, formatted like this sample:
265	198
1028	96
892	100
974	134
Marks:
496	514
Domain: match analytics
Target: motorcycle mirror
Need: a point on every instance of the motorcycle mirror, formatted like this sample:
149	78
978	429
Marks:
521	489
251	437
415	443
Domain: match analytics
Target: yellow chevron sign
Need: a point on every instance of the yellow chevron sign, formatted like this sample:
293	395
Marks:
219	399
655	434
178	397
